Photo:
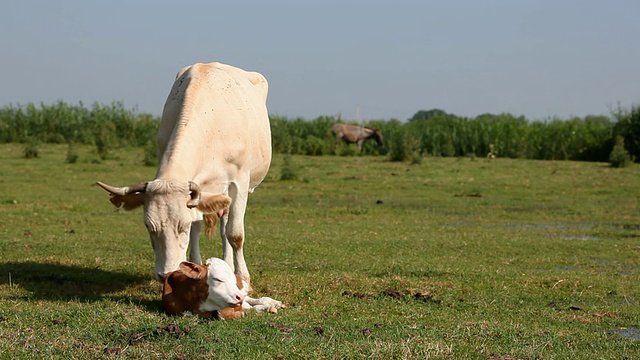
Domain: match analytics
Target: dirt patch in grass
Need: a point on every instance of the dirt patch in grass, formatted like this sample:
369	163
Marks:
629	333
280	327
393	293
174	329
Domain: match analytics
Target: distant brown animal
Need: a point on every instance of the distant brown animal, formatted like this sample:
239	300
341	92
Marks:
355	134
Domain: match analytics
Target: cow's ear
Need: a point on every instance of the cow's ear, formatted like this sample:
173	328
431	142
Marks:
129	197
128	202
214	204
192	270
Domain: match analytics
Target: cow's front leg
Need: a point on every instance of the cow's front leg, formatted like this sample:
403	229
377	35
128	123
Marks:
234	231
227	251
194	242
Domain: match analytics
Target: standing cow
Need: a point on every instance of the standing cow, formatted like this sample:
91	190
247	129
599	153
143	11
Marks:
355	134
214	147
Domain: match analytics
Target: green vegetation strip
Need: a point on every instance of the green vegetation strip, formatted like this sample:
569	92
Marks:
428	133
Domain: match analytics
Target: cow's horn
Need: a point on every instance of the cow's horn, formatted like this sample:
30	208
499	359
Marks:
195	195
122	191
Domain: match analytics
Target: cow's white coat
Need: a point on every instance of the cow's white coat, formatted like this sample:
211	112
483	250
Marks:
215	134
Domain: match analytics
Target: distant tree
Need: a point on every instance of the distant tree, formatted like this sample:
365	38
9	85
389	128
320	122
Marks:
425	115
628	126
619	155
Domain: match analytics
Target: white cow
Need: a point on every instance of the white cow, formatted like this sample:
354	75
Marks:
214	146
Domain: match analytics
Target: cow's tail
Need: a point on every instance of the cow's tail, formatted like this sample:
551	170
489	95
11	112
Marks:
210	221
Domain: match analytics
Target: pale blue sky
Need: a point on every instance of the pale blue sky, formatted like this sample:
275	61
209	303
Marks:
390	59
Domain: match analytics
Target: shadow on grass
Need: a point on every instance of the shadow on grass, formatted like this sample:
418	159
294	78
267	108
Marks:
58	282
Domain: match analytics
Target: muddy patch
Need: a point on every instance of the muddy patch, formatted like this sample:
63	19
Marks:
629	333
395	294
280	327
173	329
578	237
583	230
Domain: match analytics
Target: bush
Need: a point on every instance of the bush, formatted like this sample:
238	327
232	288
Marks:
415	158
620	157
397	148
315	146
404	145
344	149
72	155
289	171
31	149
628	126
150	157
105	138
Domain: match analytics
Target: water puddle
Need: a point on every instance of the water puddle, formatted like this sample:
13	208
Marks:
558	226
629	333
580	227
576	237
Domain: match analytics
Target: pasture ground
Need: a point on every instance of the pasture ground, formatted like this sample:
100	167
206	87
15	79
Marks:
451	258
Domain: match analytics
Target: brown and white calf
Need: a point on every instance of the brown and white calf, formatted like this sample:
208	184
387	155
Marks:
211	291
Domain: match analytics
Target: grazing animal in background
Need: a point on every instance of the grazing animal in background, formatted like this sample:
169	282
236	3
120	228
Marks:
211	291
214	148
355	134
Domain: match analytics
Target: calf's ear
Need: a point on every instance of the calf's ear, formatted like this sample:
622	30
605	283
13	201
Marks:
192	270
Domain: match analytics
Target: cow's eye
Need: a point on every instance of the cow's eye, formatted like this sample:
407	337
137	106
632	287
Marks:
150	228
217	280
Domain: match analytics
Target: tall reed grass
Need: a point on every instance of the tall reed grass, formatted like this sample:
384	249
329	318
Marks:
427	133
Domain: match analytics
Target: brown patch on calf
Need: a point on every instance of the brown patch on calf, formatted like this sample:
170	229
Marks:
231	313
184	290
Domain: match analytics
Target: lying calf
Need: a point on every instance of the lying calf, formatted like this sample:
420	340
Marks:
210	291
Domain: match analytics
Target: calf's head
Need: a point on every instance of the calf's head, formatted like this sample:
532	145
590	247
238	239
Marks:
201	289
169	209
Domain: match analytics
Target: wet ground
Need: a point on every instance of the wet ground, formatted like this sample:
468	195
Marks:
630	333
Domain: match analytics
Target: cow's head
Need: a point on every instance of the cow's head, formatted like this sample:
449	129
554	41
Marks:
377	135
169	209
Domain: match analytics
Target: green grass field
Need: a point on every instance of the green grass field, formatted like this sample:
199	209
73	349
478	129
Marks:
451	258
